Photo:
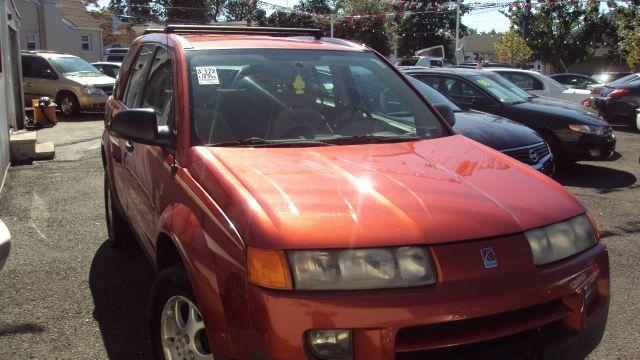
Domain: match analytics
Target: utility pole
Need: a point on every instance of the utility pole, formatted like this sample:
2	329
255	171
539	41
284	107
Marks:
455	52
331	19
526	19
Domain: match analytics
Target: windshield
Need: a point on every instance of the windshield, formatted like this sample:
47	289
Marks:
432	94
72	65
272	96
498	91
508	84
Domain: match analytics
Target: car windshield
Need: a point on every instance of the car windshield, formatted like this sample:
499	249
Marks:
73	65
508	84
432	94
264	97
496	90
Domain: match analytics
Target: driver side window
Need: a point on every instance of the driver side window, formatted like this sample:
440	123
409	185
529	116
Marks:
158	90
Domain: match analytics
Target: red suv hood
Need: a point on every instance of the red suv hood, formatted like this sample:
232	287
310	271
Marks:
435	191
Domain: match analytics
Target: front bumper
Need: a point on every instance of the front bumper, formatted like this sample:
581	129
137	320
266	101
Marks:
469	309
591	147
93	102
5	244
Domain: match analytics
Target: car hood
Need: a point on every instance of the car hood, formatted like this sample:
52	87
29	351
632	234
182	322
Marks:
92	80
543	100
435	191
494	131
552	111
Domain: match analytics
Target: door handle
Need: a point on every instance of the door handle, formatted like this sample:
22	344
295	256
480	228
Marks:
128	145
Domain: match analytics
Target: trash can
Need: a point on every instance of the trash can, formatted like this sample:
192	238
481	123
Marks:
44	111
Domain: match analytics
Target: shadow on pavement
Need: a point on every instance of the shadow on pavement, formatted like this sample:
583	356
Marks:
592	176
120	282
25	328
80	117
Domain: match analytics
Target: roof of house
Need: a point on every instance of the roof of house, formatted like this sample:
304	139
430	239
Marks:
482	43
76	13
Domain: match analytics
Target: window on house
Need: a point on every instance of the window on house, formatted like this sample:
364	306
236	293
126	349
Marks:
86	43
32	41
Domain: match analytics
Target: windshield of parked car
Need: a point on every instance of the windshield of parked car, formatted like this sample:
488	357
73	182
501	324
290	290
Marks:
73	65
432	94
263	97
496	90
508	84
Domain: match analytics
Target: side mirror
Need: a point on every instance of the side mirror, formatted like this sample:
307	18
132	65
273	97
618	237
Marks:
139	125
446	112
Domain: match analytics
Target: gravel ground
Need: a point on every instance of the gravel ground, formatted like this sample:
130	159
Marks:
65	294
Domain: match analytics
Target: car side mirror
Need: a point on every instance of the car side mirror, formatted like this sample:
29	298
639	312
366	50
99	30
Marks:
446	112
139	125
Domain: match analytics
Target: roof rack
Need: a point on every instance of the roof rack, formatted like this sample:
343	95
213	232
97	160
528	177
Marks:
232	30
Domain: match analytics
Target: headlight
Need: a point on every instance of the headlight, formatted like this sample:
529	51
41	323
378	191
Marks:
90	90
361	268
588	129
561	240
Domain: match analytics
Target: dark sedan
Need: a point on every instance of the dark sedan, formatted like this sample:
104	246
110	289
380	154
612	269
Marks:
506	136
618	102
572	135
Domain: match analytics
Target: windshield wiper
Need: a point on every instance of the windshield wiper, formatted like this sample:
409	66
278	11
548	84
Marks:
259	142
372	139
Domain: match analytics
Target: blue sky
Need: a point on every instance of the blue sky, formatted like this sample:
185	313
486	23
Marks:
481	20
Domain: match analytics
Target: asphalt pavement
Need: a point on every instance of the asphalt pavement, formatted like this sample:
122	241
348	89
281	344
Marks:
65	294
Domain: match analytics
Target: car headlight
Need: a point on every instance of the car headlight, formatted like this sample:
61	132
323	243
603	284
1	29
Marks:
561	240
90	90
361	268
588	129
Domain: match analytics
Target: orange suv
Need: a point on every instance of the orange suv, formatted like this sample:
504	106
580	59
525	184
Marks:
300	199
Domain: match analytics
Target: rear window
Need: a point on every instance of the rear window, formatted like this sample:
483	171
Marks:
301	94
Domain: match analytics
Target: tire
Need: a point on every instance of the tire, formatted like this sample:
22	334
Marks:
68	104
175	322
117	228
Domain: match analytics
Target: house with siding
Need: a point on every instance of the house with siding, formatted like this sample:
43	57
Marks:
60	25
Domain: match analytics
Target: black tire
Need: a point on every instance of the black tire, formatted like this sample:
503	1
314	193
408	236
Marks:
68	104
170	283
117	227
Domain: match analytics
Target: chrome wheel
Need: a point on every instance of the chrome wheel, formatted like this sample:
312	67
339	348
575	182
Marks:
67	106
182	331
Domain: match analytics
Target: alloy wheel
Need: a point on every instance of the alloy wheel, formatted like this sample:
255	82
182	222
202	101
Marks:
182	331
67	106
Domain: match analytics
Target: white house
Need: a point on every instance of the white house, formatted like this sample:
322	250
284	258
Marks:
11	100
60	25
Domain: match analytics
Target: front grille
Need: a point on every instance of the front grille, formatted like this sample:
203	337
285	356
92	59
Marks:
107	88
436	340
531	154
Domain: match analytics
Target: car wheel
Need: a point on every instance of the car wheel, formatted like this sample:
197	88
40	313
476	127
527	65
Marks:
635	122
68	104
117	227
177	329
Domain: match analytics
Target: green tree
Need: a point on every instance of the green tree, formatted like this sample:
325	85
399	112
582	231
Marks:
238	10
187	11
424	27
137	11
314	6
372	29
562	33
627	20
513	48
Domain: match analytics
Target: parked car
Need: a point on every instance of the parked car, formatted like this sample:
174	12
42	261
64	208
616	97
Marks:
618	102
572	135
428	61
5	244
506	136
577	81
291	215
110	69
542	85
473	65
114	54
607	77
74	83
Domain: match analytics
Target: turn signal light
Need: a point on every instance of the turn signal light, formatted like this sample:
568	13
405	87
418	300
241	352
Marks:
596	232
269	268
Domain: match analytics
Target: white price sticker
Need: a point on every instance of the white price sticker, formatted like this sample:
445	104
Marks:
207	75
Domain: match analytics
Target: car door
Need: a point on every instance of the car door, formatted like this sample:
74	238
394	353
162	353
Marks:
39	78
526	82
149	167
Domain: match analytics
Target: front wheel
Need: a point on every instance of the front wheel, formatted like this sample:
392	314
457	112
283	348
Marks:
68	104
177	329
